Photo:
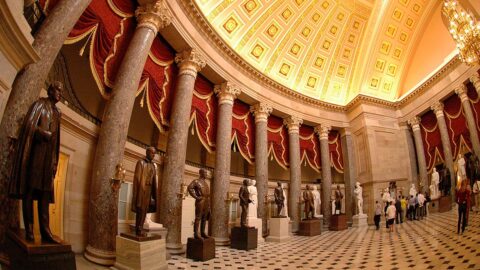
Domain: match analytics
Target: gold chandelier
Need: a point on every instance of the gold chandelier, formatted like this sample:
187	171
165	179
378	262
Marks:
465	30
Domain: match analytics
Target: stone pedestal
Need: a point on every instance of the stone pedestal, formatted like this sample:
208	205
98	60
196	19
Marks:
310	227
338	223
360	221
444	204
201	249
434	206
140	253
153	228
37	255
244	238
256	223
279	230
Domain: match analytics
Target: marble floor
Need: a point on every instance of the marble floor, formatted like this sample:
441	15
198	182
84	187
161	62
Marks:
431	243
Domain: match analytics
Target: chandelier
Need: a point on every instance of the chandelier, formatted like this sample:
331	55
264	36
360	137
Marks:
465	30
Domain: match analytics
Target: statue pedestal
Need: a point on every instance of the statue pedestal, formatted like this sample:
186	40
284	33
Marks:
310	227
360	221
444	204
338	222
140	253
279	229
257	223
37	255
156	228
201	249
244	238
434	206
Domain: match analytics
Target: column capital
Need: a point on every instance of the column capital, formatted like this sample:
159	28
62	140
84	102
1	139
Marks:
154	15
322	131
414	123
190	62
437	108
461	91
226	92
293	124
261	111
475	79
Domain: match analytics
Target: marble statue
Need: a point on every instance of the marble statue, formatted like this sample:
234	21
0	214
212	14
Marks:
200	191
144	195
386	198
244	197
285	204
461	172
253	196
35	163
309	208
359	197
317	202
413	191
279	199
338	200
434	193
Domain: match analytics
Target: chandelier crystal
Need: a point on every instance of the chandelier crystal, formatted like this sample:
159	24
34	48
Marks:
465	30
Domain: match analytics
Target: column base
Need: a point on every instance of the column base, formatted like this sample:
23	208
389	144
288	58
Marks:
222	241
175	248
98	256
134	253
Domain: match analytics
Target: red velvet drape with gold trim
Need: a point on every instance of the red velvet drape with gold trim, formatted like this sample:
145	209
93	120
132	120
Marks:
335	147
204	112
278	140
432	142
310	147
243	130
456	125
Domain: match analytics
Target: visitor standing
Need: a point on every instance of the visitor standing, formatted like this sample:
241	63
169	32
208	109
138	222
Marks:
404	204
462	195
398	207
391	213
411	208
378	213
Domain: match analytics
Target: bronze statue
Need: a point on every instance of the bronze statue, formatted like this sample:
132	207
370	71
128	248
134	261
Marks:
338	200
309	208
243	195
144	196
279	198
200	191
35	163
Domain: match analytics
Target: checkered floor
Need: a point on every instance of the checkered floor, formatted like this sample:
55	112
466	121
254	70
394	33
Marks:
431	243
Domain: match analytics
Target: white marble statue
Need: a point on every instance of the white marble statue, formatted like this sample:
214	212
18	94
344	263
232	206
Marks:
317	202
284	211
359	197
462	173
386	196
435	193
413	191
253	196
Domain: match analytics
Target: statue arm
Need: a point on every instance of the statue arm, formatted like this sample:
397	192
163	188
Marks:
137	176
191	189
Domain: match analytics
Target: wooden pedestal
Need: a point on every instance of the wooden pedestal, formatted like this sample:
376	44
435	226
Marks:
37	255
444	204
201	249
310	227
338	223
244	238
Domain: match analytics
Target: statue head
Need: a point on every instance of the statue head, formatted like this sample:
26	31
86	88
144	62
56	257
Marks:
54	91
307	187
357	184
253	182
150	152
246	182
434	169
202	172
279	184
314	187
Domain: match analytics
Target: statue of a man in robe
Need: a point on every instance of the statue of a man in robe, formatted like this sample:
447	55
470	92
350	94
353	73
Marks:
462	173
435	182
308	203
279	199
144	195
253	194
200	191
244	201
36	159
317	202
359	197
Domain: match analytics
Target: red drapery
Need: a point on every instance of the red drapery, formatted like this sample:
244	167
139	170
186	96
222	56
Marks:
432	142
278	140
475	100
456	125
310	147
335	147
204	112
243	130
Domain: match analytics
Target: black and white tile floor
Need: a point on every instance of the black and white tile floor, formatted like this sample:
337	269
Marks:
431	243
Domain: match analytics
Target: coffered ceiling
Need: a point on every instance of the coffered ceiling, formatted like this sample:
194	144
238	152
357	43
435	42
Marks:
331	50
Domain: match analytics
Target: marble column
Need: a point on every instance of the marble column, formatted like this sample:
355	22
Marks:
103	202
437	107
190	62
422	165
323	131
261	112
461	91
348	174
475	79
293	124
26	89
411	151
226	93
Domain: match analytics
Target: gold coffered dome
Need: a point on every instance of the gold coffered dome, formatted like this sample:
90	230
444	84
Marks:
331	50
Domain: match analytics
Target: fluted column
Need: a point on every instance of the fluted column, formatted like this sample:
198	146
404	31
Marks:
261	112
293	124
461	91
103	202
417	136
322	132
226	93
26	89
437	107
349	174
190	62
475	79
